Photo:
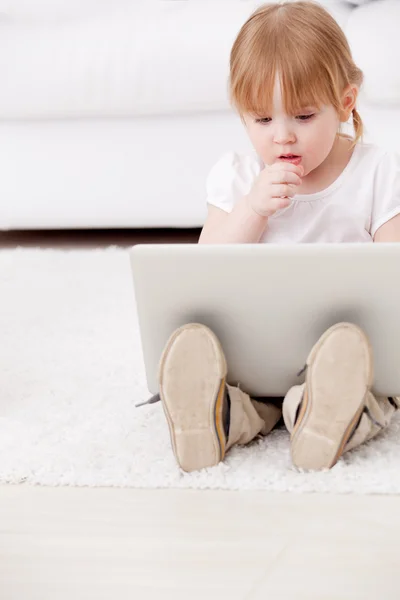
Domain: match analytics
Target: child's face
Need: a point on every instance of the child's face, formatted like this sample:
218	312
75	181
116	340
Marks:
310	134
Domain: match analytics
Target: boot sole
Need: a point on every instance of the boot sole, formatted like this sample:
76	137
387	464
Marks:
192	378
334	398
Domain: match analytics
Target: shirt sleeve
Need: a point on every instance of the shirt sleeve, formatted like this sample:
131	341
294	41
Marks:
386	203
231	178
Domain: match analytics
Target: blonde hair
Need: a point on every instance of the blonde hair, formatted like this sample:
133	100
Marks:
306	46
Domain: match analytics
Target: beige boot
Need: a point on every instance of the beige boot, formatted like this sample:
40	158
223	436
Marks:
377	414
206	416
323	413
249	417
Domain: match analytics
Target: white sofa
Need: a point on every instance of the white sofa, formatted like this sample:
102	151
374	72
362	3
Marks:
113	111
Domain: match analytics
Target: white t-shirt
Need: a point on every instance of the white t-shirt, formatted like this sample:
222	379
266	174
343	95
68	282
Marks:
364	196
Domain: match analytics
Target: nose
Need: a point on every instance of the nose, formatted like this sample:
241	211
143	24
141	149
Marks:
283	134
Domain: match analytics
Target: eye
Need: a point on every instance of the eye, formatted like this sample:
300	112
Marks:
305	117
266	120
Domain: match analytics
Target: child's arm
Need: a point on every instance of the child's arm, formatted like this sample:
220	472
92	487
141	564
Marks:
389	231
385	212
241	226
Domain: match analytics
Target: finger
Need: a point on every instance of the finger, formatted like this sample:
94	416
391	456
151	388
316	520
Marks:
282	190
285	177
279	166
283	202
279	203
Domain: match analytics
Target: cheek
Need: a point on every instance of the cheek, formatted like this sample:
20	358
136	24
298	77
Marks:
257	137
318	142
259	141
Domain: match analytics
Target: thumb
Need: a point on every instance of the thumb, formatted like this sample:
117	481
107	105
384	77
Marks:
281	203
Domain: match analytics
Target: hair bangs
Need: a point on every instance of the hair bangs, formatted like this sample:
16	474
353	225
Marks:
304	82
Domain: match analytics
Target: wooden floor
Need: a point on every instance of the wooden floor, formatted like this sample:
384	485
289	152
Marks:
97	238
114	544
81	543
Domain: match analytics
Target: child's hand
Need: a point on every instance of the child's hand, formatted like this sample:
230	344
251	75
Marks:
274	188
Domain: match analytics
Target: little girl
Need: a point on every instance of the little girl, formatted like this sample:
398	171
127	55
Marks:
293	82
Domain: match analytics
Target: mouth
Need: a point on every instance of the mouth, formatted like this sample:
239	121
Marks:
292	158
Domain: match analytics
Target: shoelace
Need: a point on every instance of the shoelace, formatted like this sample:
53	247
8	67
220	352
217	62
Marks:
152	400
302	370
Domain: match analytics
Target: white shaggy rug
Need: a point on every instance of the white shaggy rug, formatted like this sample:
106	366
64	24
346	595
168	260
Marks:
71	372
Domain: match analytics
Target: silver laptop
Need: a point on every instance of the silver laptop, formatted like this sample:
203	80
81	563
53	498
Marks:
269	304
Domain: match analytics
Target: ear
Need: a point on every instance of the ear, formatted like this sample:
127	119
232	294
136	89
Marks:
349	98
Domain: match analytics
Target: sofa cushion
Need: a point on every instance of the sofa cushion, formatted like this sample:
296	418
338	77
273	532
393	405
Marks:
54	10
373	34
125	58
